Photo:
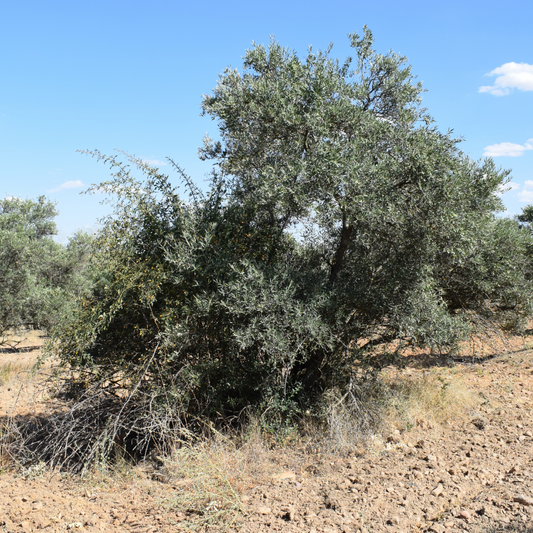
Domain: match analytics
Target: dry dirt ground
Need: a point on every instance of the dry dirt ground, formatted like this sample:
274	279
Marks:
471	474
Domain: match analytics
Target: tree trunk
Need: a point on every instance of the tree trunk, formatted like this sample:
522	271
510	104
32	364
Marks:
336	267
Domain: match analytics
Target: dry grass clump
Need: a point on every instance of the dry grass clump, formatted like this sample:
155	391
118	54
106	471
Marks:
15	359
349	419
212	474
10	370
377	403
430	398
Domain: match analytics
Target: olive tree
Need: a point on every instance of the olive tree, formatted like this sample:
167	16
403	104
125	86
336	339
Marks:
386	205
27	293
38	276
338	216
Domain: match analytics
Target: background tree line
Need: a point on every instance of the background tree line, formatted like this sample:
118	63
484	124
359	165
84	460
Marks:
39	278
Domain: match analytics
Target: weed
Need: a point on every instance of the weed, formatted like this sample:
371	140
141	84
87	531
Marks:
380	402
34	471
8	371
429	397
211	476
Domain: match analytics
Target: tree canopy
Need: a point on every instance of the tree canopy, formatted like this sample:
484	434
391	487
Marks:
386	204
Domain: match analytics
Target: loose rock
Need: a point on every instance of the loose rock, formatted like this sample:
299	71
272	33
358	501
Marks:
465	515
523	500
438	490
479	422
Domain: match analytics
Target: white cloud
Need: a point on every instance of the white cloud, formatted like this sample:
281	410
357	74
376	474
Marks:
510	76
528	184
508	187
525	196
154	162
68	185
508	149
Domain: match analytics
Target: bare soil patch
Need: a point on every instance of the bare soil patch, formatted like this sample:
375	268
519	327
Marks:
468	473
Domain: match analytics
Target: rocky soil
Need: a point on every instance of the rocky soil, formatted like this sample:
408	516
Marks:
473	474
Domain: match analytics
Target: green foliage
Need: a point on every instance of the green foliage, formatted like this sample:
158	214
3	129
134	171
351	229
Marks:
337	212
525	220
399	223
36	273
526	217
184	295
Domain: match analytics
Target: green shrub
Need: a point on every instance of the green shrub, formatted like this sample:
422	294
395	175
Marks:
336	212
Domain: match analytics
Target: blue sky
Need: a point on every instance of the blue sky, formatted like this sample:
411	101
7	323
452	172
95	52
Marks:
130	76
